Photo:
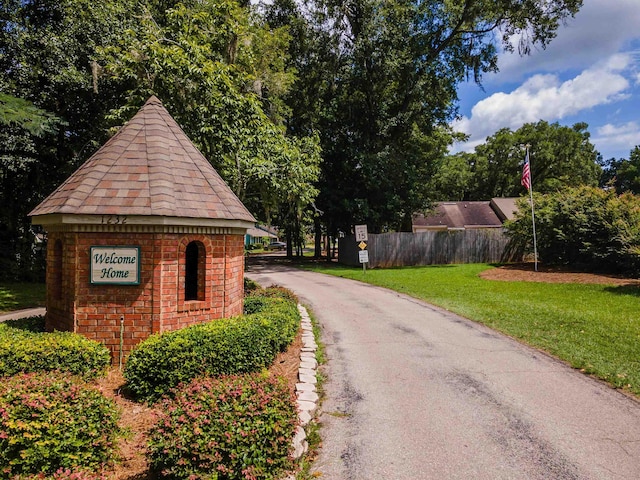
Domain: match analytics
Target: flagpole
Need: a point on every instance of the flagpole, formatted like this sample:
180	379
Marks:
533	216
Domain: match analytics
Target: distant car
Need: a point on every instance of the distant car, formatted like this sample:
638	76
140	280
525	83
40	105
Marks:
276	246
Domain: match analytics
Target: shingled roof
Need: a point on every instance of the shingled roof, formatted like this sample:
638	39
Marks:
149	168
458	215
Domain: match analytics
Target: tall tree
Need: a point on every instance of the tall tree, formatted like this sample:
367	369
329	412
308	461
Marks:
383	76
560	157
55	117
221	73
623	174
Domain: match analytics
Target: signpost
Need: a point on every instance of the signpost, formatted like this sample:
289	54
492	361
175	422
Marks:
115	265
362	237
361	233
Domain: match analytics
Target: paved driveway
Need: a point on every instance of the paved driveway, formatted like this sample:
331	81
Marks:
415	392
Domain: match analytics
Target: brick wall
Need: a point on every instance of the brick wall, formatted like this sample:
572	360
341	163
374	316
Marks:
158	303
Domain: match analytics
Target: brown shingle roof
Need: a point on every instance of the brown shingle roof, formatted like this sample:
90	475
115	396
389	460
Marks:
149	167
459	215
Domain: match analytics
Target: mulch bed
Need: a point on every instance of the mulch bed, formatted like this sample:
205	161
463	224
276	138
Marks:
525	272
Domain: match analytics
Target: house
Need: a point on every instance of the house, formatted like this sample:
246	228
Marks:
259	235
466	215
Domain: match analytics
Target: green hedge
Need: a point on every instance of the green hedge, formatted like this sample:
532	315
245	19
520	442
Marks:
242	344
228	428
584	227
24	347
64	474
51	424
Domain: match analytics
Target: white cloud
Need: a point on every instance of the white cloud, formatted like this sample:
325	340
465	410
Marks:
545	96
600	29
618	137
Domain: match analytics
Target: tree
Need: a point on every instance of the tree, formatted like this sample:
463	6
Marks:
624	174
22	126
53	116
378	80
452	178
221	74
560	157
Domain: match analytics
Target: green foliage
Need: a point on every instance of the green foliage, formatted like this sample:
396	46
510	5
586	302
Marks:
560	157
50	422
274	291
227	346
250	286
16	111
592	327
624	174
221	73
228	428
583	227
24	347
64	474
54	113
378	80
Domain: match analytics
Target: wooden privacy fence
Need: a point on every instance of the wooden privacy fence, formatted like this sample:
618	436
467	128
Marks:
430	248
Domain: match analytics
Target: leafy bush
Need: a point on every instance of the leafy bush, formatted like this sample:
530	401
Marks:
64	474
53	423
227	428
222	347
275	291
583	227
250	286
24	347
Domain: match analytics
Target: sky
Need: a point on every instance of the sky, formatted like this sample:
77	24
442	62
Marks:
589	73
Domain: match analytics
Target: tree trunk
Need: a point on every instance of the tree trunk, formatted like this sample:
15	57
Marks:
318	237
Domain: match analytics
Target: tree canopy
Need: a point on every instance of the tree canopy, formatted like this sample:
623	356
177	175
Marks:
336	110
378	80
560	157
71	71
623	174
222	74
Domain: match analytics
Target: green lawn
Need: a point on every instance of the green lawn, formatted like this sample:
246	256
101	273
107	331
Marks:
595	328
15	296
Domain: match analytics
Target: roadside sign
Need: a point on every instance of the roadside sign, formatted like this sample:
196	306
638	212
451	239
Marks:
362	245
361	233
363	256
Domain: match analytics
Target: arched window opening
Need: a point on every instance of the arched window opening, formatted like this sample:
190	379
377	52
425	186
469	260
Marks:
194	272
57	270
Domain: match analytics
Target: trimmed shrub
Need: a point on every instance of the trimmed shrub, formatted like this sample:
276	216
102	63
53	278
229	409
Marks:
583	227
250	286
276	291
222	347
53	423
64	474
228	428
24	347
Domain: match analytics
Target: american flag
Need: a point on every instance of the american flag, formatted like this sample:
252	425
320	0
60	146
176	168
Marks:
526	173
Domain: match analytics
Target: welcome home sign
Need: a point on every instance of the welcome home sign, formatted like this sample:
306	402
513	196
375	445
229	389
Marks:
115	265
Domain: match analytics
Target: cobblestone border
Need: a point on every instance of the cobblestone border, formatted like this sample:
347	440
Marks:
307	396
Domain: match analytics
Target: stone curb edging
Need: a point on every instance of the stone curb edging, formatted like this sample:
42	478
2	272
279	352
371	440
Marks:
307	397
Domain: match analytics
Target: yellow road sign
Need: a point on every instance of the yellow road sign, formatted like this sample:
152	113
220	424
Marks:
362	245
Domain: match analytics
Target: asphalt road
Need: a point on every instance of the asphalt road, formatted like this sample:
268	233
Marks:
415	392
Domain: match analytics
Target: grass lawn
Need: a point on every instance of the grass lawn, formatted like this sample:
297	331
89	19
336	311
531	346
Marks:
15	296
595	328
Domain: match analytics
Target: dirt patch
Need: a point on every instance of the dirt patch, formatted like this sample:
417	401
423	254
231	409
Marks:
138	419
525	272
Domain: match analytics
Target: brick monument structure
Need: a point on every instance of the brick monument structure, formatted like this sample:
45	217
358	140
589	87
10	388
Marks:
144	237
